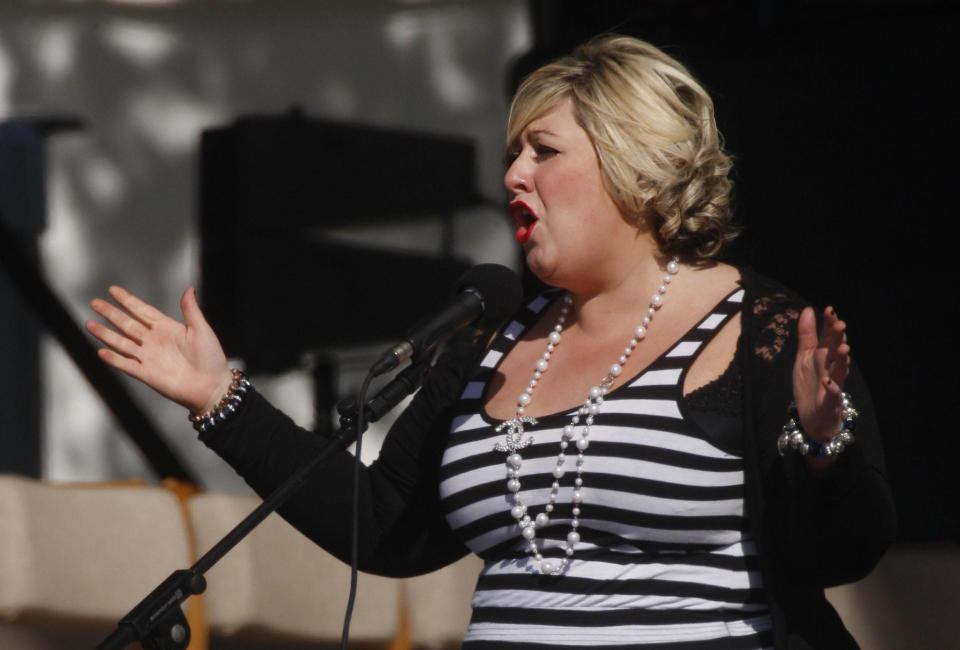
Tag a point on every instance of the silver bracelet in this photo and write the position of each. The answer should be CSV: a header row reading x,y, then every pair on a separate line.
x,y
227,405
795,438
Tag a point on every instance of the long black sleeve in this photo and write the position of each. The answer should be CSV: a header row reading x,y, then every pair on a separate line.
x,y
836,525
402,531
812,530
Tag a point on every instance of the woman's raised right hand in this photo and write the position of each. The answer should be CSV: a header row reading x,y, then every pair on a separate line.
x,y
184,362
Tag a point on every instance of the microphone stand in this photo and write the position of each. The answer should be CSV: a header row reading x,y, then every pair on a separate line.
x,y
157,621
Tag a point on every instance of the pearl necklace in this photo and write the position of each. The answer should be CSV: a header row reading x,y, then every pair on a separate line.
x,y
514,442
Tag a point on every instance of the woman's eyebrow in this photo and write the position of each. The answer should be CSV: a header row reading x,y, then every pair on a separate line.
x,y
542,131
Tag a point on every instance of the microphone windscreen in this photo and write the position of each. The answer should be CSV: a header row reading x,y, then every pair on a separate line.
x,y
498,286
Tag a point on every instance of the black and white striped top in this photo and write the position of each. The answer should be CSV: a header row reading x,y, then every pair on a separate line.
x,y
665,557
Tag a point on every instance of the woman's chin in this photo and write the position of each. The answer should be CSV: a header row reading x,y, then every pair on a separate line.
x,y
540,264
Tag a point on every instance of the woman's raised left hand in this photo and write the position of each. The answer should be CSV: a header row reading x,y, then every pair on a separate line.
x,y
184,362
820,369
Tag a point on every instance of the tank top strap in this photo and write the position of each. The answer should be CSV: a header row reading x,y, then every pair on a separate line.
x,y
682,354
704,331
505,339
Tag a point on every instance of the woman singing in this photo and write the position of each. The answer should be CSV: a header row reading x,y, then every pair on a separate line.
x,y
659,452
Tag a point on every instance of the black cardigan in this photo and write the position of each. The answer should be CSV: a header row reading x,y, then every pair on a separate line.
x,y
811,532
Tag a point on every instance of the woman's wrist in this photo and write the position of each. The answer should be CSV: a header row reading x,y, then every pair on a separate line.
x,y
793,437
224,407
220,388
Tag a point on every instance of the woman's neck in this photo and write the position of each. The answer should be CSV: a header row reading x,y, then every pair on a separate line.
x,y
623,296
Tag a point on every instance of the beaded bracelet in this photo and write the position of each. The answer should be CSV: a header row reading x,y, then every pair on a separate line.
x,y
227,405
794,437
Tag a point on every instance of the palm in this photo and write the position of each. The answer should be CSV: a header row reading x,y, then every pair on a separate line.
x,y
182,361
821,367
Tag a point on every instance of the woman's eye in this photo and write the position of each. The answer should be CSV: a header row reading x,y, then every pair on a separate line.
x,y
540,152
544,151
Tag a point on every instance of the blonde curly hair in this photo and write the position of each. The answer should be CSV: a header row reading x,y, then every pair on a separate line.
x,y
653,128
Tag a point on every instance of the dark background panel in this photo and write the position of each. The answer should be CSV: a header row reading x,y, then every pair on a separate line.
x,y
840,117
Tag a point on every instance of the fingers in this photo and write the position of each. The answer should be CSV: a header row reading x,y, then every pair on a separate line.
x,y
833,335
834,329
145,313
116,342
191,310
820,370
807,339
130,366
834,340
123,322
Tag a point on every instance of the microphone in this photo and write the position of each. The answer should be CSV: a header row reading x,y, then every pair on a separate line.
x,y
487,294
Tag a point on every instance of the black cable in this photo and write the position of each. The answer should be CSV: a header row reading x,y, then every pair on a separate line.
x,y
355,521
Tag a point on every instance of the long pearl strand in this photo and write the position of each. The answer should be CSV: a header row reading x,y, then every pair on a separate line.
x,y
591,407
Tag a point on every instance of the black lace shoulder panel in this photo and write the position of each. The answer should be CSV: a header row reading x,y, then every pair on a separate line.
x,y
774,320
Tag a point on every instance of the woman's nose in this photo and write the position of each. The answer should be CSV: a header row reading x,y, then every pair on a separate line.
x,y
517,177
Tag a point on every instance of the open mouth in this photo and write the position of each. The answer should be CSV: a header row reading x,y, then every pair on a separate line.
x,y
525,219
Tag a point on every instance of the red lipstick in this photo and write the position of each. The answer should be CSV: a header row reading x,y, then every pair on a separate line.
x,y
525,219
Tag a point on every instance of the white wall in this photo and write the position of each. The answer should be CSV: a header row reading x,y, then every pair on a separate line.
x,y
148,77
